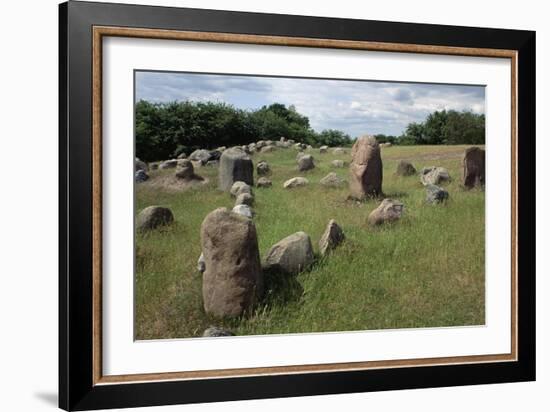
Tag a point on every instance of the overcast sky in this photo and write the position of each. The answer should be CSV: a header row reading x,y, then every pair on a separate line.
x,y
355,107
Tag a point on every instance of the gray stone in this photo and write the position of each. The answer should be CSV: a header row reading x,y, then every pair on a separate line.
x,y
239,188
332,180
141,176
185,169
141,165
388,211
214,332
365,168
299,155
169,164
235,165
153,217
267,149
200,155
243,210
473,167
323,149
201,265
305,162
405,169
332,237
262,168
291,255
232,282
182,155
295,182
264,182
434,175
244,199
338,163
436,194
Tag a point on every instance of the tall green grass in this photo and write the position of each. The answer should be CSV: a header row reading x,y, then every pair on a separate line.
x,y
426,270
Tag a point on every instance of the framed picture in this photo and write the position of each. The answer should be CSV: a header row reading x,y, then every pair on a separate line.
x,y
256,206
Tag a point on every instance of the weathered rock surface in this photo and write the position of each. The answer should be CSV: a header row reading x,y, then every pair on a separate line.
x,y
434,175
332,237
338,163
239,188
200,155
332,180
215,331
185,169
243,210
295,182
141,165
473,165
388,211
262,168
201,265
153,217
323,149
405,169
232,282
290,255
169,164
245,199
264,182
267,149
235,165
436,194
182,155
305,162
141,176
365,168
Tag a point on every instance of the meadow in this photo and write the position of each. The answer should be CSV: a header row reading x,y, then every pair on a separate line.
x,y
426,270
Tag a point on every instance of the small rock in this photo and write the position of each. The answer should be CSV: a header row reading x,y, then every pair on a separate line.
x,y
323,149
264,182
244,199
244,210
201,264
338,163
152,217
333,236
436,194
262,168
200,155
169,164
214,332
388,211
182,155
295,182
434,175
141,176
240,187
290,255
338,151
405,169
305,162
141,165
332,180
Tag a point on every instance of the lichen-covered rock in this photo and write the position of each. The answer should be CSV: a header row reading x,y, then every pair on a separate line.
x,y
153,217
243,210
185,169
436,194
232,282
365,168
235,165
200,155
244,199
388,211
405,169
434,175
305,162
291,255
263,182
332,237
262,168
240,187
295,182
473,167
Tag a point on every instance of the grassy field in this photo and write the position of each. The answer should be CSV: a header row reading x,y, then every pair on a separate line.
x,y
427,270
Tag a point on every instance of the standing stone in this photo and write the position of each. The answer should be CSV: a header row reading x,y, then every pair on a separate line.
x,y
365,168
141,176
264,182
290,255
333,236
232,282
434,175
152,217
332,180
405,169
305,162
262,168
436,194
388,211
235,165
473,164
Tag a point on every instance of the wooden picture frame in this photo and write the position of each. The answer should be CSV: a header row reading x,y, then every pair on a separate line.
x,y
82,385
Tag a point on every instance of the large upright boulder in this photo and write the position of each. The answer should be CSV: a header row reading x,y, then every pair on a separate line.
x,y
235,165
291,255
232,281
473,164
365,168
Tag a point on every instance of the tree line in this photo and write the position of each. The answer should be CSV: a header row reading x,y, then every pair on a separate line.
x,y
164,130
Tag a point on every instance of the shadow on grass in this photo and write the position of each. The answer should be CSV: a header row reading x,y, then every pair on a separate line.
x,y
281,288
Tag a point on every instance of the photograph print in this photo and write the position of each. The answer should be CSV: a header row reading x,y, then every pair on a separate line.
x,y
278,205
